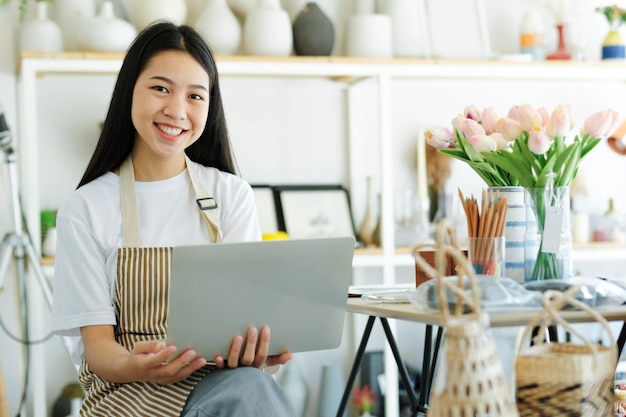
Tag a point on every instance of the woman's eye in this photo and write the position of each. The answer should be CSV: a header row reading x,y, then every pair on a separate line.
x,y
196,97
160,89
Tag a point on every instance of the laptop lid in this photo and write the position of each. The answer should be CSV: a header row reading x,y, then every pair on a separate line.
x,y
299,288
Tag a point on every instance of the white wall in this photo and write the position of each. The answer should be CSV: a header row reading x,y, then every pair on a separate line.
x,y
294,131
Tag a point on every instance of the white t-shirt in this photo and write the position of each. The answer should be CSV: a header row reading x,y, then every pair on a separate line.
x,y
89,232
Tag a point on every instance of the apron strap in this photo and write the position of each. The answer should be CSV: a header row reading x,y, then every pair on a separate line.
x,y
130,217
206,203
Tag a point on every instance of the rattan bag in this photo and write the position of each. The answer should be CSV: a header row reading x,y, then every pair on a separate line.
x,y
565,379
470,382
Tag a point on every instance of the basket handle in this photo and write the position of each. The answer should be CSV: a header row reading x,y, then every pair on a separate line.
x,y
553,302
443,252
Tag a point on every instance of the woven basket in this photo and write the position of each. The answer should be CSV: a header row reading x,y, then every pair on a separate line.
x,y
565,379
471,381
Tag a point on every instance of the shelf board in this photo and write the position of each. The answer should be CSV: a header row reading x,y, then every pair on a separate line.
x,y
350,68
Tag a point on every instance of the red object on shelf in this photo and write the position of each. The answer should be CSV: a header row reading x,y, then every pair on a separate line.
x,y
561,51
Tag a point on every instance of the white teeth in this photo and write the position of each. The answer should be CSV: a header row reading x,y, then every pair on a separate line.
x,y
170,130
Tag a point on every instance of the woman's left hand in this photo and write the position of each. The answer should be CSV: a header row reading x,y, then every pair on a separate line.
x,y
252,351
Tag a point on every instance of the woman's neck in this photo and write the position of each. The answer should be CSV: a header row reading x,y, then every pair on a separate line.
x,y
156,169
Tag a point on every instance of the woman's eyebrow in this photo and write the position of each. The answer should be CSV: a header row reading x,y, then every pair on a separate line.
x,y
167,80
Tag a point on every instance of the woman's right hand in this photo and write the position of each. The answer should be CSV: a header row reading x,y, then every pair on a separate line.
x,y
151,362
147,362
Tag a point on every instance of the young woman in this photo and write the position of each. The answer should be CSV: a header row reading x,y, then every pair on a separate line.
x,y
162,175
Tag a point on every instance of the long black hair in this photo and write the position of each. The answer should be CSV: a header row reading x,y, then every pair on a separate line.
x,y
116,140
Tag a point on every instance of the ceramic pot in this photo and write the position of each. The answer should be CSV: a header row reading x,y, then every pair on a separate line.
x,y
219,27
514,231
106,32
41,34
369,36
71,16
313,32
241,8
267,30
49,247
561,51
613,46
142,12
406,30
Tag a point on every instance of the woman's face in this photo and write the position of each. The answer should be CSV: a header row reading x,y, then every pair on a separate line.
x,y
170,107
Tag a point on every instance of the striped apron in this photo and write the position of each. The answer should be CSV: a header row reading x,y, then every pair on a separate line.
x,y
141,306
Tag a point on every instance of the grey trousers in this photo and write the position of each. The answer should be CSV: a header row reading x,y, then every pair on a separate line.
x,y
240,392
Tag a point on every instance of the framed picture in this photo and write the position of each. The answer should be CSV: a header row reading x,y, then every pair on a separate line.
x,y
314,211
266,208
457,29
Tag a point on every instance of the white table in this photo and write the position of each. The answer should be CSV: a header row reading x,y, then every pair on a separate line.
x,y
407,312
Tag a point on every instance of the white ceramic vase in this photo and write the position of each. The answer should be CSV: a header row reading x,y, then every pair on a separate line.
x,y
242,7
41,34
144,12
267,30
106,32
369,35
219,27
406,30
49,245
71,16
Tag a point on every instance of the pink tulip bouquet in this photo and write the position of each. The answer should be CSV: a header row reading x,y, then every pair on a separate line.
x,y
530,148
525,146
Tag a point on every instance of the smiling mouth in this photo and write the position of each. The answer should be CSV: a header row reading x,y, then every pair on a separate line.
x,y
171,131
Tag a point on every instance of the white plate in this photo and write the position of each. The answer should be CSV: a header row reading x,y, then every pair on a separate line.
x,y
389,296
357,290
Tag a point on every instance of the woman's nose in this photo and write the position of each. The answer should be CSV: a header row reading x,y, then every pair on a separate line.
x,y
175,108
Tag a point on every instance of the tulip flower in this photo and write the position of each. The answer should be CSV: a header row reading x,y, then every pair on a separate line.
x,y
489,120
545,116
528,117
560,122
601,124
539,142
439,137
472,112
501,142
483,143
511,129
471,127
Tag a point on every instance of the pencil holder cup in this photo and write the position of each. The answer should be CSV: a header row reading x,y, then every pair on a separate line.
x,y
486,255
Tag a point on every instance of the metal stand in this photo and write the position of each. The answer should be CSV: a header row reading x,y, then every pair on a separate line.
x,y
20,245
19,242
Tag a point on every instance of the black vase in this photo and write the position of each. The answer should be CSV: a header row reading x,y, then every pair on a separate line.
x,y
313,32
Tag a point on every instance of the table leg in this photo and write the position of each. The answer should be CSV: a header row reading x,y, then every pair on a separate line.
x,y
356,366
621,340
426,381
429,382
404,373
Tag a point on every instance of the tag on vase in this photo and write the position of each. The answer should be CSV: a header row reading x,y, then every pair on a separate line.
x,y
552,230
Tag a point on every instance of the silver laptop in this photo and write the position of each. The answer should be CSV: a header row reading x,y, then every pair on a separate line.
x,y
299,288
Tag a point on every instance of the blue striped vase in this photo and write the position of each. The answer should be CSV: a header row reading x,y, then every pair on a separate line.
x,y
514,231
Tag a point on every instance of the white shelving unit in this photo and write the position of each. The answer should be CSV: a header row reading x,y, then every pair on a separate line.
x,y
347,70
